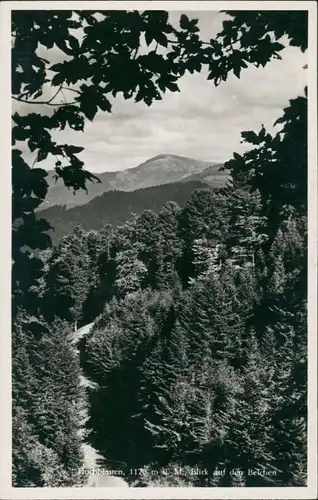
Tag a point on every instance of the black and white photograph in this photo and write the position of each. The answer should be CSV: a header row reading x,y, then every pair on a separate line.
x,y
162,165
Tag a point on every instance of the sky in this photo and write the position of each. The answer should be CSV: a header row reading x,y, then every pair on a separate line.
x,y
200,121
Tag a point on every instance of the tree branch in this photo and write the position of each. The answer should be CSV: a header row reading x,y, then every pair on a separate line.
x,y
71,90
35,160
177,42
48,103
134,52
54,95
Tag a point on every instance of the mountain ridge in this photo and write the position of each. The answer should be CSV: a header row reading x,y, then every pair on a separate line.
x,y
115,207
159,170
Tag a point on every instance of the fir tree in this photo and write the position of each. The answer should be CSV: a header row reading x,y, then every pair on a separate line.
x,y
147,233
46,385
33,464
67,279
249,430
130,272
168,246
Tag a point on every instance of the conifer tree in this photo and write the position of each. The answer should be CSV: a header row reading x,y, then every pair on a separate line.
x,y
102,272
248,425
168,246
68,278
48,404
223,384
33,464
289,405
167,416
215,324
247,224
207,258
203,216
131,272
147,234
291,451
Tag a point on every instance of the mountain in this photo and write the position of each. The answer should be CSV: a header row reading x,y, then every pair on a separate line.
x,y
159,170
115,207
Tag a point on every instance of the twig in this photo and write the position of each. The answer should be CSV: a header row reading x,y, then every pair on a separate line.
x,y
63,96
71,90
35,160
55,95
43,102
177,42
136,52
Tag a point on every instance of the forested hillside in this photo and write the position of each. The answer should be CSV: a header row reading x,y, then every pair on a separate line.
x,y
114,207
198,352
199,349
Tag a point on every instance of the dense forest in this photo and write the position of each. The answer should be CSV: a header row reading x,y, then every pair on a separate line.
x,y
198,352
199,348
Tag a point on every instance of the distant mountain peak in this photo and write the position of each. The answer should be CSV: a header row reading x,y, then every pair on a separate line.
x,y
162,156
161,169
166,156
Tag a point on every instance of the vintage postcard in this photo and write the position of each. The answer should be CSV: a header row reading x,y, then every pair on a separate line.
x,y
159,266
